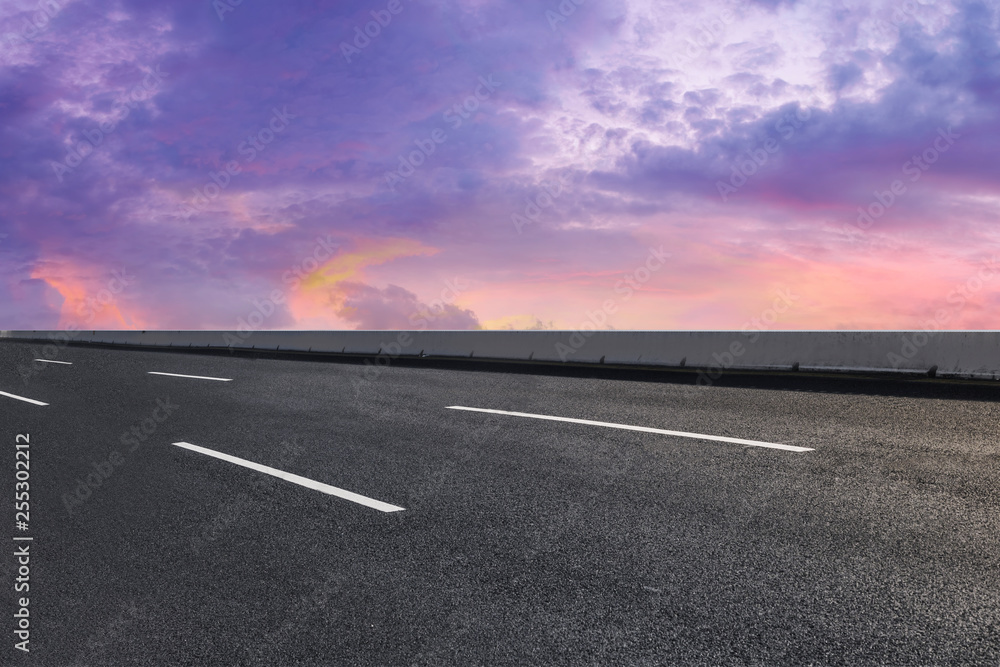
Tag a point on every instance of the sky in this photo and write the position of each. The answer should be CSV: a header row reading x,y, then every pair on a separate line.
x,y
545,164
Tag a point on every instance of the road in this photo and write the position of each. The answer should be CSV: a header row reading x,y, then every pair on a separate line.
x,y
516,540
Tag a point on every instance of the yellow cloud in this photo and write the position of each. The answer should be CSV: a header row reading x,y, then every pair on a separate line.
x,y
321,294
367,252
517,323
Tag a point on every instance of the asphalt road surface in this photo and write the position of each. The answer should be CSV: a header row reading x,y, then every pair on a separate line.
x,y
873,537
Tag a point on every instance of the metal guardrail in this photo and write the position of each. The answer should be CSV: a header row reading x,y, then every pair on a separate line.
x,y
963,354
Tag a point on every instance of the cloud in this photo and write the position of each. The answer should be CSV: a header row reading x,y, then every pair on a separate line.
x,y
519,323
397,308
642,106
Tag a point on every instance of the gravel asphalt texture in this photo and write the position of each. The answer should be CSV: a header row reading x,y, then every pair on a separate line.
x,y
522,542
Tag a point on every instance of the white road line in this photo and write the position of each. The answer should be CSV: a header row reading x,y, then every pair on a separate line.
x,y
193,377
51,361
287,476
645,429
22,398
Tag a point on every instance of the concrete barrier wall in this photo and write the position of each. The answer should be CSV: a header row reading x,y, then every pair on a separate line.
x,y
974,354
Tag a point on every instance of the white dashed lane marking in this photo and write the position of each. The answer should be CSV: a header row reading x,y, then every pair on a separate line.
x,y
22,398
645,429
295,479
193,377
